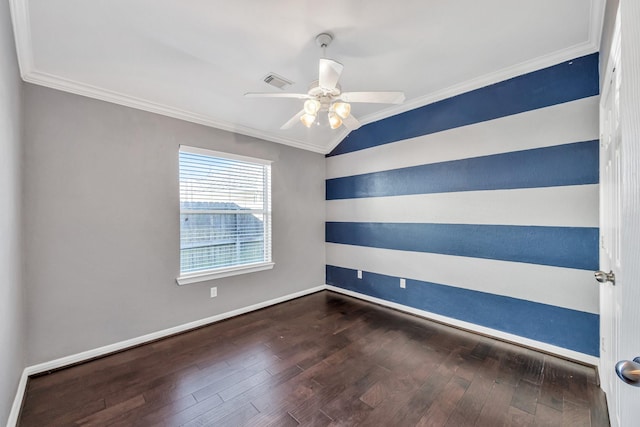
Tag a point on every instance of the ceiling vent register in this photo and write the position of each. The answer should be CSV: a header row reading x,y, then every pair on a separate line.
x,y
277,81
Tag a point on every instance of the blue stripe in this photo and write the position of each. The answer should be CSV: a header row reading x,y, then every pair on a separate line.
x,y
562,327
571,247
568,164
561,83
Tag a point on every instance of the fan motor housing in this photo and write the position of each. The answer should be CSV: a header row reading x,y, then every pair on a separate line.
x,y
317,91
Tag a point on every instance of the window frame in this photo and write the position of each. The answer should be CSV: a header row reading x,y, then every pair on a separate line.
x,y
220,272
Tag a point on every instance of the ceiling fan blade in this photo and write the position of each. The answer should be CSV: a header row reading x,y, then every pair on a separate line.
x,y
276,95
351,122
293,120
329,74
374,97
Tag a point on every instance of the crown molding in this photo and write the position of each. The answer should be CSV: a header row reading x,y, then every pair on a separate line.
x,y
486,80
22,34
333,143
29,73
71,86
596,22
479,82
24,49
585,48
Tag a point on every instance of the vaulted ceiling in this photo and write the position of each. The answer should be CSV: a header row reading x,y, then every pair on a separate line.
x,y
195,59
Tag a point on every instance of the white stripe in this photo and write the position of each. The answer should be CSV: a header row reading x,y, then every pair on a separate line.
x,y
558,286
568,206
542,346
559,124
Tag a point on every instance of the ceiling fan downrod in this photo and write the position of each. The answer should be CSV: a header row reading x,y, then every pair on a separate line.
x,y
324,40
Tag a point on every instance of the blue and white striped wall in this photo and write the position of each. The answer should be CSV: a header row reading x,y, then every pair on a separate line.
x,y
486,203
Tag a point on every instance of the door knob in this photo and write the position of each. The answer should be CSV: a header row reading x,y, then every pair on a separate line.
x,y
603,277
629,371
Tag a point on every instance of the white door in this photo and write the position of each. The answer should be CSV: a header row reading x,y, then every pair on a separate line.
x,y
610,236
620,214
629,291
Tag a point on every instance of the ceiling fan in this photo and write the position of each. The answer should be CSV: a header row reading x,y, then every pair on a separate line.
x,y
325,95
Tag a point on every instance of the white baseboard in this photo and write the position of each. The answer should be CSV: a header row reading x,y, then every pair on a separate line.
x,y
111,348
504,336
17,400
122,345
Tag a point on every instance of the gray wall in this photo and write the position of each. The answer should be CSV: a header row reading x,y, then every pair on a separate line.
x,y
11,292
102,224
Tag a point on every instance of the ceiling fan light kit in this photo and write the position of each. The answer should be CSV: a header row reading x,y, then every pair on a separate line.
x,y
341,108
334,120
312,106
308,119
325,95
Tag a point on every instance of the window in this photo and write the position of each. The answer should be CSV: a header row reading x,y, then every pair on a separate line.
x,y
225,215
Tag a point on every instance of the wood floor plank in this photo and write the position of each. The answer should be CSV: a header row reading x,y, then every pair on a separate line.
x,y
172,415
137,415
517,417
409,375
554,382
102,417
525,397
273,407
546,416
320,360
439,412
495,410
67,415
472,402
222,415
269,386
576,385
334,385
239,417
346,408
422,399
316,419
575,415
375,395
244,385
597,401
143,383
240,376
217,412
272,420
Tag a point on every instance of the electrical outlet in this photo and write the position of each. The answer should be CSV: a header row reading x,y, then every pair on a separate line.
x,y
214,292
359,274
403,283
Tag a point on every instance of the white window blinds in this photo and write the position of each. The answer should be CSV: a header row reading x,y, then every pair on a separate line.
x,y
225,211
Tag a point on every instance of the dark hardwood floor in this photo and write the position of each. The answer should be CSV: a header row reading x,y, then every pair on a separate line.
x,y
324,359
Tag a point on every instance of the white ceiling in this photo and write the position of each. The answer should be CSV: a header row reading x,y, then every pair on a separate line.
x,y
195,59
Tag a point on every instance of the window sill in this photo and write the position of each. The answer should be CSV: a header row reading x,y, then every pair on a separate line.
x,y
202,276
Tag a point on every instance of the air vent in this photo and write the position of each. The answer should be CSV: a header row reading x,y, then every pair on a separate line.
x,y
277,81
